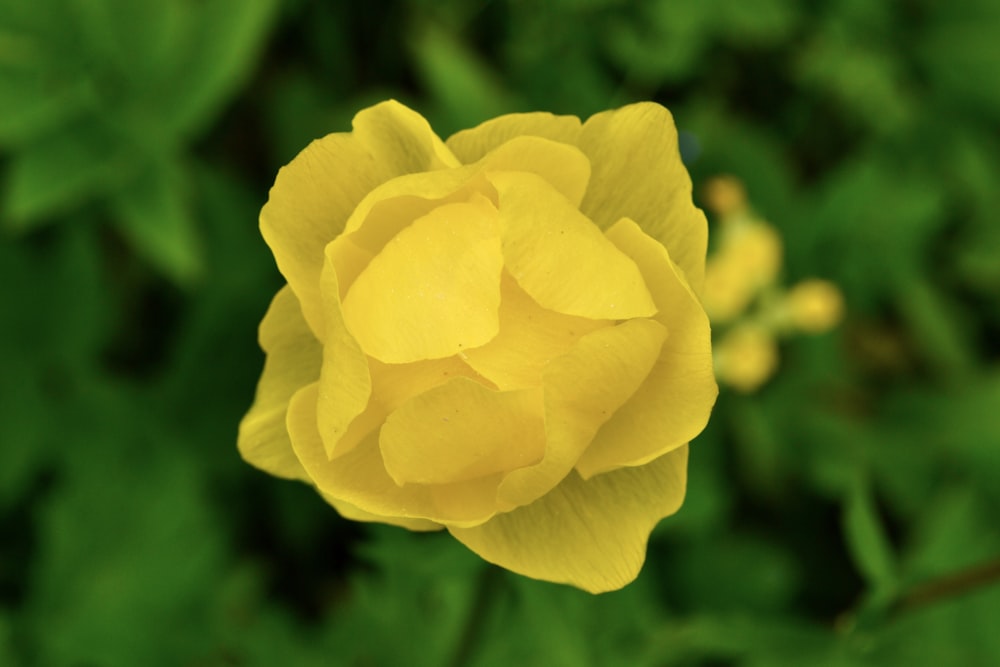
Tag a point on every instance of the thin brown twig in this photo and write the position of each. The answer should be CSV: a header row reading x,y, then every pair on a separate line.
x,y
950,586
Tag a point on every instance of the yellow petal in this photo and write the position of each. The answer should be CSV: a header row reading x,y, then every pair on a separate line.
x,y
637,173
530,337
591,534
293,361
359,477
394,205
472,144
583,389
462,430
434,290
345,384
393,129
674,403
392,386
560,258
349,511
314,194
562,166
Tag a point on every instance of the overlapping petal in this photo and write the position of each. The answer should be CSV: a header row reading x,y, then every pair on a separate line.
x,y
394,205
292,362
314,195
462,430
391,386
675,401
349,511
560,258
638,173
359,478
472,144
563,167
433,290
530,337
583,389
588,533
345,383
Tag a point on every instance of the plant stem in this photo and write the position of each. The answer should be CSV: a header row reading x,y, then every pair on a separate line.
x,y
950,586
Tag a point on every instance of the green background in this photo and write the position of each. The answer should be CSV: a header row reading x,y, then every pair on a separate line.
x,y
138,140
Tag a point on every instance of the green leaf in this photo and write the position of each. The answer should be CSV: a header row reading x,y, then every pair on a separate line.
x,y
31,110
936,324
61,173
125,538
956,531
958,52
154,214
868,543
662,42
956,631
734,573
467,91
866,82
748,639
757,23
225,41
424,588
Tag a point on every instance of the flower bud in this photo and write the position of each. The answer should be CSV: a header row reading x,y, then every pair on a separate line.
x,y
748,260
724,195
746,357
814,305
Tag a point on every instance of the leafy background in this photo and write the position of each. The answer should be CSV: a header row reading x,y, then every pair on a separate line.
x,y
137,144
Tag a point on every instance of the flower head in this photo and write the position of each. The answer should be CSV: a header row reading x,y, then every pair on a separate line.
x,y
497,335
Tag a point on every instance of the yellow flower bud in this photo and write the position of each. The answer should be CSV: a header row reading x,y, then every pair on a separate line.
x,y
814,305
746,357
748,261
724,195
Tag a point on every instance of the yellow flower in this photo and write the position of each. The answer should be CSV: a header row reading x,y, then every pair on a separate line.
x,y
746,357
814,305
497,335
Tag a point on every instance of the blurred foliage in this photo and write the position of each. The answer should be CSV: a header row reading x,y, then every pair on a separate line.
x,y
137,143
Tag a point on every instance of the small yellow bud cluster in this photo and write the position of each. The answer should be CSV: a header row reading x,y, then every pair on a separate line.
x,y
743,293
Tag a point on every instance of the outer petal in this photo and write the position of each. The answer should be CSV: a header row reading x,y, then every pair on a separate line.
x,y
583,388
293,361
315,193
591,534
674,403
434,290
637,173
472,144
349,511
530,337
358,477
345,384
462,430
560,258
